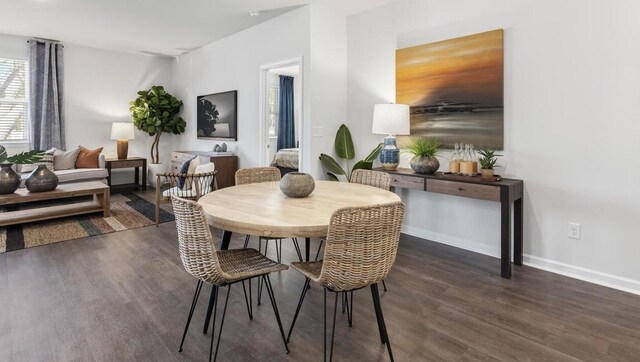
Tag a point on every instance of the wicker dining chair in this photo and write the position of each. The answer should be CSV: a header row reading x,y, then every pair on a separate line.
x,y
381,180
361,247
191,186
222,268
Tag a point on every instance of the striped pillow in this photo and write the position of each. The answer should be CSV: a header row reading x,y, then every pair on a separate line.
x,y
46,160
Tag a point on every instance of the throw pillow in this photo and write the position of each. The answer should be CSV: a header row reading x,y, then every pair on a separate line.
x,y
88,158
206,183
184,169
47,160
65,160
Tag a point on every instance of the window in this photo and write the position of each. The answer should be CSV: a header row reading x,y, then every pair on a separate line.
x,y
273,111
13,101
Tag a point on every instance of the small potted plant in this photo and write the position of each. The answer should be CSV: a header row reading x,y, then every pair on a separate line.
x,y
424,151
487,159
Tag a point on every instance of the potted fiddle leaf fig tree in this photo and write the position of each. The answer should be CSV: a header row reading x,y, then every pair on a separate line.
x,y
487,160
156,112
344,149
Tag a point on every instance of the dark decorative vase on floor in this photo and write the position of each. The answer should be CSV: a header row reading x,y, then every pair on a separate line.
x,y
9,179
41,180
297,184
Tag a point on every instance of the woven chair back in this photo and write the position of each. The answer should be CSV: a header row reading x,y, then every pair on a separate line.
x,y
377,179
195,243
190,186
361,247
257,174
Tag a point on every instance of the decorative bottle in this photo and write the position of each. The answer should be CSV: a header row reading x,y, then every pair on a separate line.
x,y
454,163
474,158
466,166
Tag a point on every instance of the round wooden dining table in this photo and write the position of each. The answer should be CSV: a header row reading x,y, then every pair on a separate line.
x,y
261,209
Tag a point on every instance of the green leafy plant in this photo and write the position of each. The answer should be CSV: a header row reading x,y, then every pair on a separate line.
x,y
488,158
344,149
421,146
156,112
23,158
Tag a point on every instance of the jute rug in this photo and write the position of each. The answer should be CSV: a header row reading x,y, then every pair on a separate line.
x,y
128,211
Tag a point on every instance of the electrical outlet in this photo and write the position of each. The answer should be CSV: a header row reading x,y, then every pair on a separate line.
x,y
317,131
574,231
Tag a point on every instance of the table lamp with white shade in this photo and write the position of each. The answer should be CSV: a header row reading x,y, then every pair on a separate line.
x,y
122,132
392,120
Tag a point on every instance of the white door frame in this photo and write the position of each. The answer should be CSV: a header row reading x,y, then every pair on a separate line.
x,y
264,111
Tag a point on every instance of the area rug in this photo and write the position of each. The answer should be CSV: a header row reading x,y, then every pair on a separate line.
x,y
128,211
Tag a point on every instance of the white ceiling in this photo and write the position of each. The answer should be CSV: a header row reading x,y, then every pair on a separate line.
x,y
167,27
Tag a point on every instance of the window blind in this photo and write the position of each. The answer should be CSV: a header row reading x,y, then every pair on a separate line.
x,y
13,100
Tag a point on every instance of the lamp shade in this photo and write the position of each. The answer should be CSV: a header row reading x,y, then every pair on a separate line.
x,y
122,131
391,119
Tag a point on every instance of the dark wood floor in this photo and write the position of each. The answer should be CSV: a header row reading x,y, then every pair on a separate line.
x,y
124,297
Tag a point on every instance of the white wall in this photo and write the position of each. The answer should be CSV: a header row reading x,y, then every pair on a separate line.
x,y
234,63
98,87
571,124
328,81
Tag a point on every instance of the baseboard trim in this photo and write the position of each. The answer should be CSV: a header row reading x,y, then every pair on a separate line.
x,y
572,271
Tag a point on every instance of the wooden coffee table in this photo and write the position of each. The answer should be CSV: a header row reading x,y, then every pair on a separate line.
x,y
100,202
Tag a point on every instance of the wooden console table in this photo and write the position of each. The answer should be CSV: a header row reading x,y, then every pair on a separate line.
x,y
506,192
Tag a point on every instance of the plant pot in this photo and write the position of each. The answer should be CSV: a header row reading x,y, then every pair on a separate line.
x,y
425,164
154,169
9,179
41,180
297,184
487,172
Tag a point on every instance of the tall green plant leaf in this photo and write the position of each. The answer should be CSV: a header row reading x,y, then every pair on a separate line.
x,y
3,154
374,154
365,165
344,144
332,177
330,164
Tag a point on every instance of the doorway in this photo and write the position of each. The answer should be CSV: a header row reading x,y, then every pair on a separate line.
x,y
281,115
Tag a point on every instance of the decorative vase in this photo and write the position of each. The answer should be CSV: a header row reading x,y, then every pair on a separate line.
x,y
390,154
487,172
9,179
425,164
297,184
41,180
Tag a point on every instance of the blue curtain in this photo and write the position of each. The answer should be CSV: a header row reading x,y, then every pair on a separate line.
x,y
286,126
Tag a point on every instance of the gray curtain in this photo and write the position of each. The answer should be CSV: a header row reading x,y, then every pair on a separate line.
x,y
46,95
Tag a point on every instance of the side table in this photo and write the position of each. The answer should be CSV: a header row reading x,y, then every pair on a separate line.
x,y
130,162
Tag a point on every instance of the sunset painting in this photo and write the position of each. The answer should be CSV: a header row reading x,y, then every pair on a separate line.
x,y
455,89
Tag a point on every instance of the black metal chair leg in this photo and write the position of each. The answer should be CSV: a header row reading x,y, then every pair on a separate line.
x,y
209,309
349,309
196,295
295,316
324,334
384,286
297,247
272,297
260,283
248,301
215,311
224,313
319,248
381,325
246,241
333,331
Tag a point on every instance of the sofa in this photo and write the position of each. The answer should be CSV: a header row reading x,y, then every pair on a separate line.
x,y
78,174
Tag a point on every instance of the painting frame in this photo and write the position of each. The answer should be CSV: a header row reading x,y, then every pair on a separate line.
x,y
455,89
217,116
